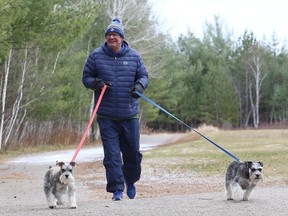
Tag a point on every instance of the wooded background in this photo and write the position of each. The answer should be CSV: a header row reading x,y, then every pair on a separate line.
x,y
216,80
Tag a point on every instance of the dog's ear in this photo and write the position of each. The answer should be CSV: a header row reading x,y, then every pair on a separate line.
x,y
60,164
248,164
73,163
261,163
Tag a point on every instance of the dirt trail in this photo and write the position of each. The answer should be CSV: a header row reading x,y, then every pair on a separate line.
x,y
159,193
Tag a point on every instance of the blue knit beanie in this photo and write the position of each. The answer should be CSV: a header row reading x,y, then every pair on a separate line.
x,y
115,26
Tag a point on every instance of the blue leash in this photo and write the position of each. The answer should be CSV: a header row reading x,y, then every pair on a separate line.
x,y
218,146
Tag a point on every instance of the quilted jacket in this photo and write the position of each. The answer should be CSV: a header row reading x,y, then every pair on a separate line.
x,y
122,70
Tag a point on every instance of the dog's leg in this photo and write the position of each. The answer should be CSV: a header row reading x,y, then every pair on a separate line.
x,y
72,196
248,193
229,193
50,198
48,191
58,191
58,195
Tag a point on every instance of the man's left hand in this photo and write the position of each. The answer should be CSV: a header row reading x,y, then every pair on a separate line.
x,y
136,87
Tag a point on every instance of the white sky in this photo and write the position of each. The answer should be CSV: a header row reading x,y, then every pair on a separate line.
x,y
262,17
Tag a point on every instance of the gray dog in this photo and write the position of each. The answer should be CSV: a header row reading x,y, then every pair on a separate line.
x,y
59,180
246,174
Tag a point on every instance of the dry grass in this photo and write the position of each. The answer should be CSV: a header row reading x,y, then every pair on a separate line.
x,y
199,155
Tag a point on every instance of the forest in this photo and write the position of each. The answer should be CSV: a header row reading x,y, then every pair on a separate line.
x,y
224,80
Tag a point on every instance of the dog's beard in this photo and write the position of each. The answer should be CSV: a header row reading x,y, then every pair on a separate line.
x,y
255,179
65,180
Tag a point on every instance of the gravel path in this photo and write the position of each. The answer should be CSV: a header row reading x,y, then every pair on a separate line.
x,y
21,192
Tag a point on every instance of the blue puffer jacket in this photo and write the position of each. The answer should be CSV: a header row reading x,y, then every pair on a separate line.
x,y
122,70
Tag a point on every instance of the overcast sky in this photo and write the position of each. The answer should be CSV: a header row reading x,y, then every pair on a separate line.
x,y
262,17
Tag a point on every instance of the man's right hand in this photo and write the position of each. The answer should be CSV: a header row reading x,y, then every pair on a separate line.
x,y
99,84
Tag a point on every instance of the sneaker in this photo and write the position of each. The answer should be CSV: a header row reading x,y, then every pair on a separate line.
x,y
131,191
118,195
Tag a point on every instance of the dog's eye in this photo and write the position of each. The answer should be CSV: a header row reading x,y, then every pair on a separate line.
x,y
63,170
260,170
253,169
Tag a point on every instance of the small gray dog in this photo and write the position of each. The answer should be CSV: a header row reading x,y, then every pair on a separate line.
x,y
246,174
59,180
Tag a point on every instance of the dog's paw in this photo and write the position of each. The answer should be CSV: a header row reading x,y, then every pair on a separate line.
x,y
52,206
74,207
59,202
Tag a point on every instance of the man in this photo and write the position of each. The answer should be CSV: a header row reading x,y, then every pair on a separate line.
x,y
122,69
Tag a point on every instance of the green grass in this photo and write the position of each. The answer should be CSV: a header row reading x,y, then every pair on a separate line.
x,y
268,146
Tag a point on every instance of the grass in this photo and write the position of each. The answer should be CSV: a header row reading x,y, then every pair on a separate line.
x,y
199,155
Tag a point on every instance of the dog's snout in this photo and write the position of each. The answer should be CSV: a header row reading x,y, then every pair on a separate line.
x,y
67,176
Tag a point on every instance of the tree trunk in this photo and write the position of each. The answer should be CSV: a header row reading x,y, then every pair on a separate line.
x,y
258,76
4,94
18,100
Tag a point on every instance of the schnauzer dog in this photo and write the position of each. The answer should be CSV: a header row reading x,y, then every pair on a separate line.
x,y
59,180
245,174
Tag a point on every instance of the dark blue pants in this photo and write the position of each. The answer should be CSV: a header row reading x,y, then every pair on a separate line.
x,y
122,156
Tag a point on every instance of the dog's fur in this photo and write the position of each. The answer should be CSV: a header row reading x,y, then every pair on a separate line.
x,y
246,174
59,180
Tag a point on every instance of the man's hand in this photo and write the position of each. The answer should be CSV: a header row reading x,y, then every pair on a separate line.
x,y
136,87
99,84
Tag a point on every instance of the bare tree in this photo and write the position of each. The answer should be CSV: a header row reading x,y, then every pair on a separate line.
x,y
18,100
3,95
256,64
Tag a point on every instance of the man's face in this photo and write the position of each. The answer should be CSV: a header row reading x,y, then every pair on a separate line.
x,y
114,41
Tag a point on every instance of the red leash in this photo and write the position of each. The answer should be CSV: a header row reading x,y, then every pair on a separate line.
x,y
90,123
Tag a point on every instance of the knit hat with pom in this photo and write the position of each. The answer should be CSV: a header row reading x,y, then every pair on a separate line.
x,y
115,26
